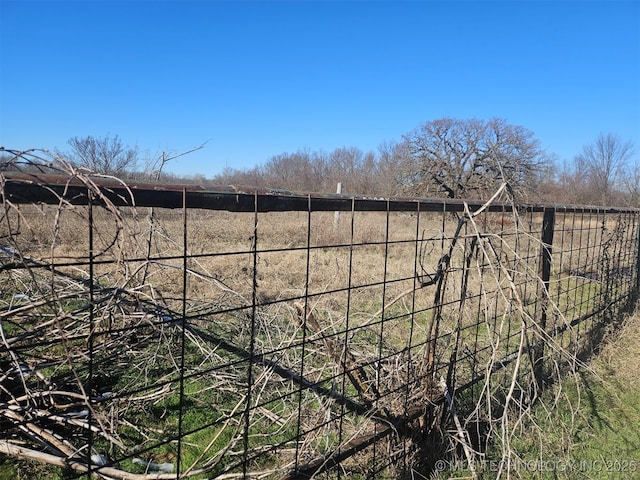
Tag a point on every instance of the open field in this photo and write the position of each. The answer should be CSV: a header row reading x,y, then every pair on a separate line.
x,y
275,344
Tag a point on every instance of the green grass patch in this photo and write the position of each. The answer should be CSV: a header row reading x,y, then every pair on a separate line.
x,y
10,469
587,427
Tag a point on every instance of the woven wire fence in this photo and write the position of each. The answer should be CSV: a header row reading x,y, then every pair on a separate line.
x,y
157,331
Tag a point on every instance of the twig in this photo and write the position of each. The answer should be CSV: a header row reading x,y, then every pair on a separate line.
x,y
463,436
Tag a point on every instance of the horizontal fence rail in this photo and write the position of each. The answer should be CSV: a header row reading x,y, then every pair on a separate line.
x,y
156,331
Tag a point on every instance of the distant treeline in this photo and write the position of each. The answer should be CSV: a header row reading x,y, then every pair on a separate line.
x,y
442,158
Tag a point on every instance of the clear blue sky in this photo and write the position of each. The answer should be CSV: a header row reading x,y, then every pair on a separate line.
x,y
256,79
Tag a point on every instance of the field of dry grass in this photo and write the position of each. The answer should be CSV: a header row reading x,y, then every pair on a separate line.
x,y
288,336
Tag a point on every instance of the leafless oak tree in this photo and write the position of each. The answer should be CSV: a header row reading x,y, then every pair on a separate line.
x,y
469,158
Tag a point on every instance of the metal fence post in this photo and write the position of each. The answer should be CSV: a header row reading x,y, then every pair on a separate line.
x,y
544,271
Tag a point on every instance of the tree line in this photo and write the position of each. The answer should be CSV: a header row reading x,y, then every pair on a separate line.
x,y
447,157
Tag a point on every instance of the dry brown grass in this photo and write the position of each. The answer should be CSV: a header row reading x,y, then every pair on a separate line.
x,y
359,279
620,357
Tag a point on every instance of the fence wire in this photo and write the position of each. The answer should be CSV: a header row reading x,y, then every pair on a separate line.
x,y
154,331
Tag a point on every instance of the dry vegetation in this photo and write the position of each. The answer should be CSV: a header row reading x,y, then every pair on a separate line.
x,y
288,339
587,425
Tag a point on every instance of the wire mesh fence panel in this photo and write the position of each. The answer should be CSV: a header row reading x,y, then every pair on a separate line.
x,y
176,332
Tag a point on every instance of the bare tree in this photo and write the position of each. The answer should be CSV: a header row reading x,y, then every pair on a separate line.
x,y
301,170
103,155
155,168
353,168
631,185
463,158
388,172
572,185
602,162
